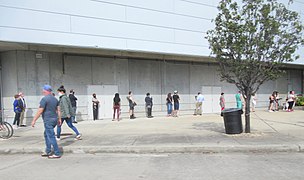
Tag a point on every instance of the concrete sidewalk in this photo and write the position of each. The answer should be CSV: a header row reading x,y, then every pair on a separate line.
x,y
271,132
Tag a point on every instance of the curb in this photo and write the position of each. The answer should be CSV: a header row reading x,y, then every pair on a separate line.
x,y
162,149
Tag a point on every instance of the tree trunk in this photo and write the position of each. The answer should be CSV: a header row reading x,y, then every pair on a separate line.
x,y
247,114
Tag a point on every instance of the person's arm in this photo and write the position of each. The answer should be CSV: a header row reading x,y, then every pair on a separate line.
x,y
59,115
36,117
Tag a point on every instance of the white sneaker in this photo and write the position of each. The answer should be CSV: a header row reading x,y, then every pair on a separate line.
x,y
15,127
58,139
270,111
78,137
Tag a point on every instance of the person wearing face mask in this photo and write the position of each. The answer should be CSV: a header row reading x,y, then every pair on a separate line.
x,y
66,113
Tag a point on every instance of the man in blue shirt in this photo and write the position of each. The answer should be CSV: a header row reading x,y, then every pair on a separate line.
x,y
50,111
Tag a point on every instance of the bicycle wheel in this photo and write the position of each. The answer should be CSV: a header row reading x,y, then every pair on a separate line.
x,y
4,131
11,130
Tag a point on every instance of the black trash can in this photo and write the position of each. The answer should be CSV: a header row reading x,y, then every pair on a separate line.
x,y
233,120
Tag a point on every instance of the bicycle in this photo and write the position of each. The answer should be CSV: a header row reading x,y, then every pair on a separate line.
x,y
6,130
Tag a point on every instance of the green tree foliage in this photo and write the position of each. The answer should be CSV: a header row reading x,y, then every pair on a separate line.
x,y
251,41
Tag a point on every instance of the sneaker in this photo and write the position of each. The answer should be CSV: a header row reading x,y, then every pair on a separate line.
x,y
78,137
58,139
46,154
270,111
54,157
75,122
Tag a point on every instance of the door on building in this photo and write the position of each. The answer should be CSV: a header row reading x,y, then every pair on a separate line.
x,y
211,94
105,94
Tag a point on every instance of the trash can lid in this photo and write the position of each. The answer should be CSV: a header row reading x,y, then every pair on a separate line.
x,y
231,110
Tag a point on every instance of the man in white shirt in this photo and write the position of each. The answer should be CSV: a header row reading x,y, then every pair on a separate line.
x,y
199,103
22,122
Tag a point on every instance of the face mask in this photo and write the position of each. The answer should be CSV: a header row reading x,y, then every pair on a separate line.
x,y
60,94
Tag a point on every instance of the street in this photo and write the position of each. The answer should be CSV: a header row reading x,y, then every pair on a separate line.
x,y
154,166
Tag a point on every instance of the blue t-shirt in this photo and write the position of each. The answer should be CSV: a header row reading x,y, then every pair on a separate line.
x,y
49,103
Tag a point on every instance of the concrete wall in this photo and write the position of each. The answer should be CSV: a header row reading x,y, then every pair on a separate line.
x,y
23,71
170,26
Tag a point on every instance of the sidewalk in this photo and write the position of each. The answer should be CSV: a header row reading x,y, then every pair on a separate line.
x,y
271,132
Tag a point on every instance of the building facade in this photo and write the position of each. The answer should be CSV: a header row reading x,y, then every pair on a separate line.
x,y
104,47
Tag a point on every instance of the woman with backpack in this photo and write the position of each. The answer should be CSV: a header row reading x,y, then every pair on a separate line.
x,y
116,106
67,112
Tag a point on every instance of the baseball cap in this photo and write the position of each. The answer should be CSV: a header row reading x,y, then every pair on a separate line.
x,y
47,88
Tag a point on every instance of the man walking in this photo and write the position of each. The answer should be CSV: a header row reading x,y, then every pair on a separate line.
x,y
199,103
73,100
50,111
22,122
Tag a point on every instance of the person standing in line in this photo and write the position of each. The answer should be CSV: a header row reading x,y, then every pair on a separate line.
x,y
277,99
95,102
66,112
17,109
149,104
271,102
253,101
73,100
291,99
199,103
222,101
50,111
169,104
22,122
116,106
239,101
176,100
132,104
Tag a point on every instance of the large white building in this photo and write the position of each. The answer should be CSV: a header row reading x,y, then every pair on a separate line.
x,y
108,46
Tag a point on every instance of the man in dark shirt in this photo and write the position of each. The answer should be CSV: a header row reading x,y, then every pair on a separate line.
x,y
176,103
149,104
50,111
73,100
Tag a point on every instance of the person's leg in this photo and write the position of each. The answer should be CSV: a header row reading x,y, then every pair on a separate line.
x,y
118,112
177,109
22,123
114,112
149,112
50,136
292,104
70,124
48,147
59,128
15,119
196,108
200,108
97,113
94,114
73,118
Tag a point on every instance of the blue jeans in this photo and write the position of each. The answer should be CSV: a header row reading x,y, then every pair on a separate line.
x,y
69,123
49,136
169,108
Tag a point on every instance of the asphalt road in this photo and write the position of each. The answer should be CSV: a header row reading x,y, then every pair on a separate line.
x,y
153,166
